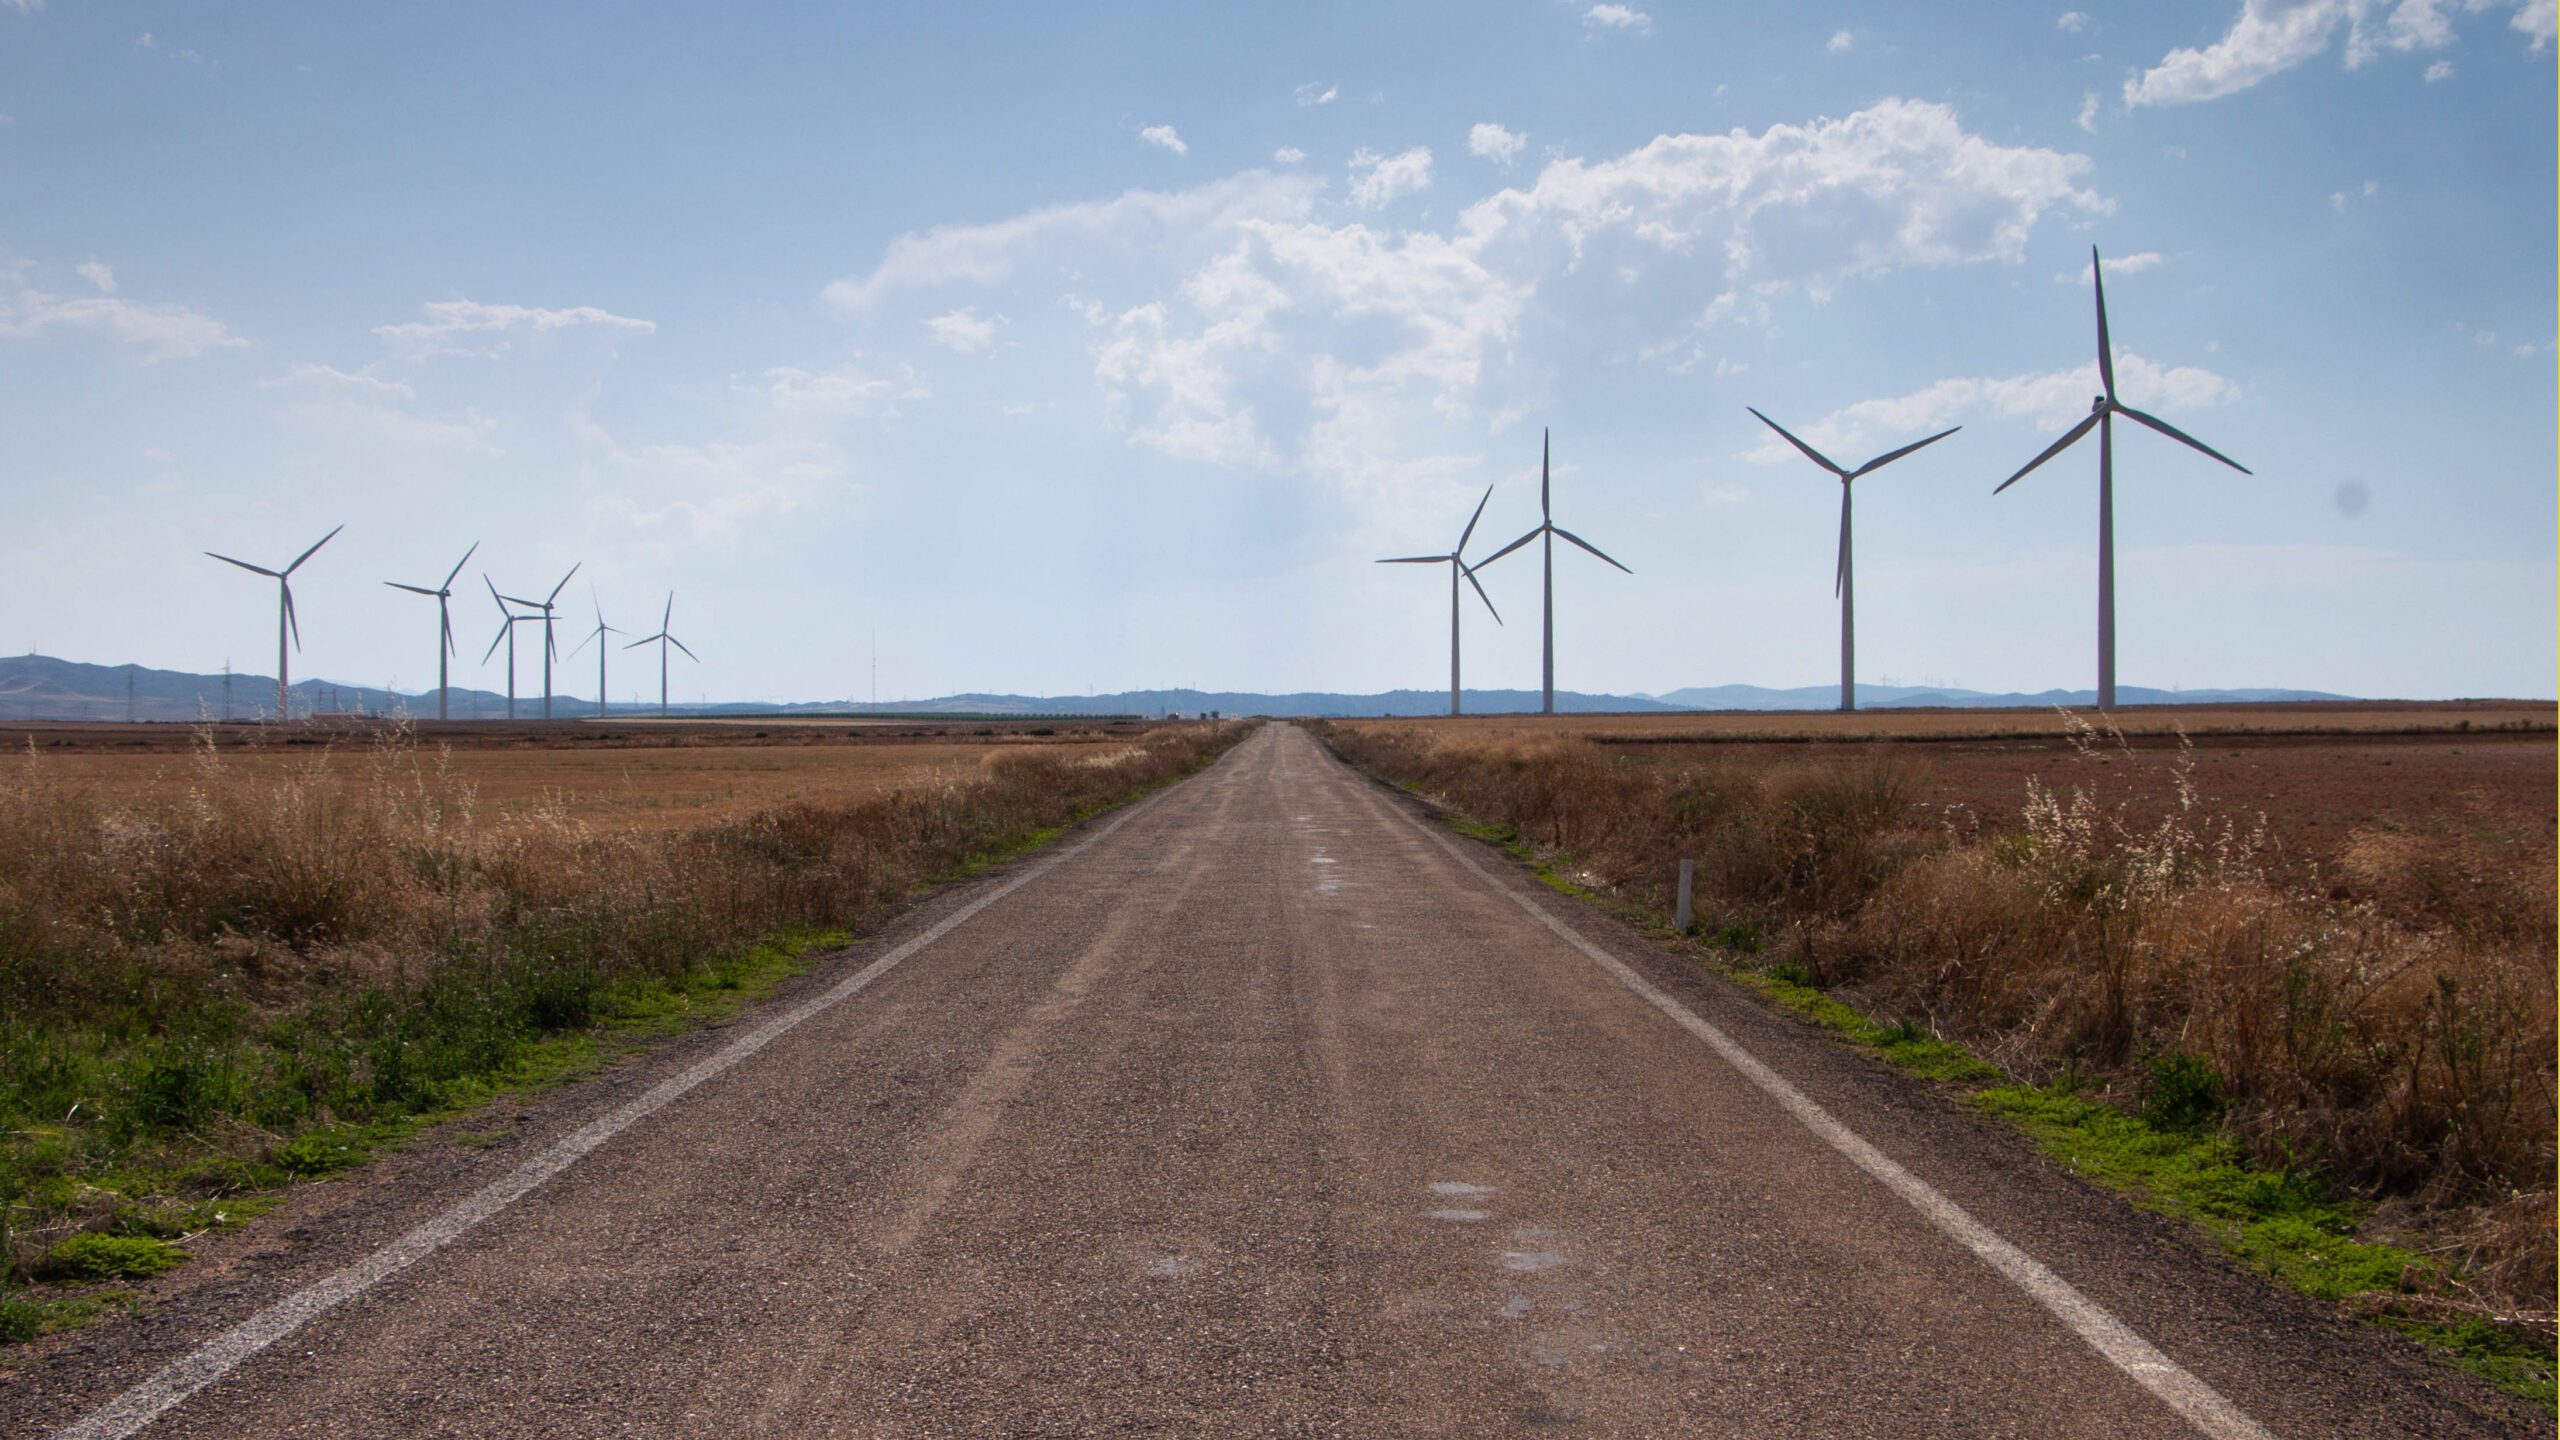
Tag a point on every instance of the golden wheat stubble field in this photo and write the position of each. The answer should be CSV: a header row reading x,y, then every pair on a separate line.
x,y
617,776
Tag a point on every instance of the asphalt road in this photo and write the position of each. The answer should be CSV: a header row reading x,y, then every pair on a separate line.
x,y
1264,1108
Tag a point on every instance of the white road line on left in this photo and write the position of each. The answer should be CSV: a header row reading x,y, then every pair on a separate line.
x,y
129,1412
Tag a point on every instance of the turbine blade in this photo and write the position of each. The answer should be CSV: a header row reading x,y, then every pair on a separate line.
x,y
520,600
1487,599
505,629
292,621
646,640
1587,545
1546,451
412,589
458,564
1890,456
1816,456
563,585
1415,560
245,565
663,626
444,630
315,549
2106,355
582,645
2174,433
1471,523
495,596
688,654
1507,549
2056,448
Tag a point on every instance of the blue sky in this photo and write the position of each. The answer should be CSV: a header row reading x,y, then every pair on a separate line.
x,y
1105,346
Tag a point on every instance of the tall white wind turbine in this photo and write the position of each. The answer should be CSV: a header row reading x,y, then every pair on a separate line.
x,y
2102,412
550,646
507,637
288,625
664,638
1843,576
1457,567
444,625
596,638
1547,530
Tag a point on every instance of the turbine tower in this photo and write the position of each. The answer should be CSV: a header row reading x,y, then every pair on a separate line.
x,y
1549,530
1843,576
444,624
2102,412
596,637
506,634
288,625
550,647
1457,567
664,638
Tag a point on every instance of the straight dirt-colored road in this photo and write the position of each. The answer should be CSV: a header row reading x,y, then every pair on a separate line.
x,y
1263,1108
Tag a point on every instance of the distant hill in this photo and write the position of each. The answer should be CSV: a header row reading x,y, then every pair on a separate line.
x,y
39,687
1878,697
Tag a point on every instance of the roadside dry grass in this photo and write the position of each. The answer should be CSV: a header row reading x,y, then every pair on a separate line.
x,y
2377,1025
211,984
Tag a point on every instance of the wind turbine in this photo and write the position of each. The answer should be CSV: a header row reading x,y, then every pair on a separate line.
x,y
1548,529
2102,412
444,623
1843,578
664,638
507,634
288,625
550,647
597,635
1457,567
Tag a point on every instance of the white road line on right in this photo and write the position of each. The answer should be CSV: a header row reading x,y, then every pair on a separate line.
x,y
2201,1404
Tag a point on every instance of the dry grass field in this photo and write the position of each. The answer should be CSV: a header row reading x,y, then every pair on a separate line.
x,y
2325,932
645,775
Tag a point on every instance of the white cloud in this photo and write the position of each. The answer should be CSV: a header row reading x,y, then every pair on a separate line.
x,y
1288,155
962,331
163,332
2071,22
1389,177
841,392
1373,355
1163,137
1495,143
449,321
2272,36
1313,93
1616,17
1841,42
2441,70
989,254
2089,112
2133,264
24,7
326,378
2341,200
2054,400
97,273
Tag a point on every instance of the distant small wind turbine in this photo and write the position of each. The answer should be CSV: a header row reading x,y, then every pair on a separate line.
x,y
2102,412
664,638
1548,529
506,636
444,624
288,625
550,646
1843,577
1457,567
596,637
